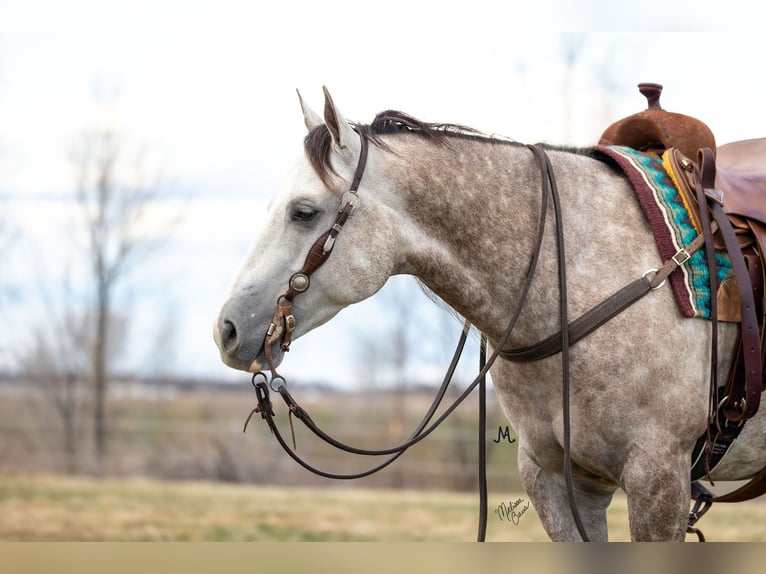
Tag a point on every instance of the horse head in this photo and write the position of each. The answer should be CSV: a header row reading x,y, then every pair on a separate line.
x,y
306,208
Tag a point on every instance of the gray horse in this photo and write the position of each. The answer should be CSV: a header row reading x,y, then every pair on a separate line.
x,y
460,211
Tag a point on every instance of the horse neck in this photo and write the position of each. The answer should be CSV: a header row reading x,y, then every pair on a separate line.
x,y
474,210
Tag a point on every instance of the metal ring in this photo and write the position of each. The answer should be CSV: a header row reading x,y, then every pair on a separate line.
x,y
276,386
259,374
735,405
647,272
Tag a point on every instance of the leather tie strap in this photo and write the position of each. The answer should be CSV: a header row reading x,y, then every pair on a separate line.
x,y
736,408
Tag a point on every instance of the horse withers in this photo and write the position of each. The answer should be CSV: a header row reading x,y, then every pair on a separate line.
x,y
460,211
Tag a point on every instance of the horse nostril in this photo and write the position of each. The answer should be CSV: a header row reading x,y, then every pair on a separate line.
x,y
229,338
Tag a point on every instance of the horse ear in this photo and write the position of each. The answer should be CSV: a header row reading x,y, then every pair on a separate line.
x,y
342,134
310,117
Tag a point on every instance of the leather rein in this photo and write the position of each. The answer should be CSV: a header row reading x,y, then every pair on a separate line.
x,y
284,323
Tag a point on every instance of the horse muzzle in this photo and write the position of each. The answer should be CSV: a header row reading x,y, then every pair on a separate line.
x,y
241,341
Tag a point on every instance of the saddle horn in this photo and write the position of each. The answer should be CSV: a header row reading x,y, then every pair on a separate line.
x,y
655,129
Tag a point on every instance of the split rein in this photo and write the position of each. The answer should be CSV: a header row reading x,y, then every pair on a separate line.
x,y
283,324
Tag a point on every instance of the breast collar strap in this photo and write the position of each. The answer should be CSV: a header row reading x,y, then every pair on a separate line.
x,y
283,323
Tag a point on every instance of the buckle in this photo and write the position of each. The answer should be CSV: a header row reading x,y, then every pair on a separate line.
x,y
349,198
681,257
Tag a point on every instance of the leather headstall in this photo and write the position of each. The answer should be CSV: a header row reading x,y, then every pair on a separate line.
x,y
283,323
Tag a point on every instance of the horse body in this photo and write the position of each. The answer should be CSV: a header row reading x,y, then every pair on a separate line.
x,y
460,212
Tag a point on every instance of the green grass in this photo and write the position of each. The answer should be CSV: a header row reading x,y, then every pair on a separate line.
x,y
47,508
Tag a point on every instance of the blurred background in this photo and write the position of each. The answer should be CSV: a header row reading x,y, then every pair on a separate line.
x,y
140,143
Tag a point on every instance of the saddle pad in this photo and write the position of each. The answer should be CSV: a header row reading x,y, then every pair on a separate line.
x,y
673,228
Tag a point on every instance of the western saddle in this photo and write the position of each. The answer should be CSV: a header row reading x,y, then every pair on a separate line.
x,y
726,189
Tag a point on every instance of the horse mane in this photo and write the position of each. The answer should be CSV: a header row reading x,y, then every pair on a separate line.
x,y
318,142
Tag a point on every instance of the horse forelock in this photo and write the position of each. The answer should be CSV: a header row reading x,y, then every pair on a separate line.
x,y
318,147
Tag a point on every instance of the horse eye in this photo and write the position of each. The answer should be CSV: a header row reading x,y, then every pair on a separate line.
x,y
303,213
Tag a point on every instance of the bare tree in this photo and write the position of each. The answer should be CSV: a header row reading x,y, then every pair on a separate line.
x,y
56,363
113,191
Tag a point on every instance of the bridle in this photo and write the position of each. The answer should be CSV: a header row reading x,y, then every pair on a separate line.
x,y
284,323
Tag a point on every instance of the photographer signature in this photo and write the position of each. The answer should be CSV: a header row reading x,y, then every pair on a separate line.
x,y
512,511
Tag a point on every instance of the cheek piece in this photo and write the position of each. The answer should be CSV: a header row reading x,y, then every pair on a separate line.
x,y
283,323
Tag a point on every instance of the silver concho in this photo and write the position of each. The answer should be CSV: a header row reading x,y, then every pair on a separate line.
x,y
299,282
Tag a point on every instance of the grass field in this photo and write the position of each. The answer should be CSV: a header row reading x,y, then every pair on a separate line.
x,y
48,508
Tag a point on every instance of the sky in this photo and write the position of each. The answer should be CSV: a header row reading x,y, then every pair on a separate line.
x,y
207,89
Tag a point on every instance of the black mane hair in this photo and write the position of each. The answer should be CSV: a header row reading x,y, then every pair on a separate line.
x,y
318,142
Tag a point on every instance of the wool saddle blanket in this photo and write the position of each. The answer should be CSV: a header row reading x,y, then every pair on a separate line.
x,y
666,210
